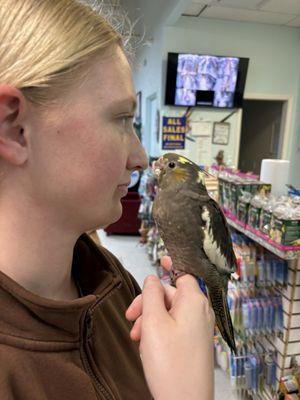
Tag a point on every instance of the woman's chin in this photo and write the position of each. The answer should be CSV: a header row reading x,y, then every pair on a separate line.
x,y
110,217
116,214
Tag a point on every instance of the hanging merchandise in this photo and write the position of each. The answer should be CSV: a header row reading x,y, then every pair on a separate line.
x,y
260,314
257,313
148,230
258,267
147,192
252,371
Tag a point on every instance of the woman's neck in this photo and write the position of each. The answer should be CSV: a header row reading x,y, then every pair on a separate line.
x,y
35,253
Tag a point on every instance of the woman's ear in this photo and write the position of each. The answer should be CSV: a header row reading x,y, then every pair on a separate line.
x,y
13,146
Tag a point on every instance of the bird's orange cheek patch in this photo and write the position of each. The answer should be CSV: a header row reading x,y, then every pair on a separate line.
x,y
179,175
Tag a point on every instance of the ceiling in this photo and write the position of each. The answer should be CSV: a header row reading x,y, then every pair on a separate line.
x,y
276,12
147,15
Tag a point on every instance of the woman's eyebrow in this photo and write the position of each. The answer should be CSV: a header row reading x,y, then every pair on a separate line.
x,y
128,103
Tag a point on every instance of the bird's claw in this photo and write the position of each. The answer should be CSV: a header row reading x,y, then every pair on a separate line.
x,y
175,274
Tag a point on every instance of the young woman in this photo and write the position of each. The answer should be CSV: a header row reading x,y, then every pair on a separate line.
x,y
67,150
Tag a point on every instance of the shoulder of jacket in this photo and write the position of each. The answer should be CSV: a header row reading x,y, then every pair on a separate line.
x,y
116,266
120,269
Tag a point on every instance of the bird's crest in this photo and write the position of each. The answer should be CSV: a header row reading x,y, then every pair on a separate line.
x,y
184,160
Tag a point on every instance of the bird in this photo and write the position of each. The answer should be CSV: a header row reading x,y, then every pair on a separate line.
x,y
195,232
220,158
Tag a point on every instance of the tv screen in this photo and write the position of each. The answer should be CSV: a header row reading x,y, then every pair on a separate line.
x,y
200,80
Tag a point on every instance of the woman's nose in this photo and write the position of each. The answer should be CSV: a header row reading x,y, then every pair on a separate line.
x,y
138,158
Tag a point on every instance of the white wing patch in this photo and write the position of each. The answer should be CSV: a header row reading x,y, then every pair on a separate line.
x,y
210,246
201,178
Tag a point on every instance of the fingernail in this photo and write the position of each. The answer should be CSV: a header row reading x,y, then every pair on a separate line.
x,y
150,279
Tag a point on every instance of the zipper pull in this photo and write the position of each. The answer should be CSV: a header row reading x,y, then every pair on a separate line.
x,y
88,325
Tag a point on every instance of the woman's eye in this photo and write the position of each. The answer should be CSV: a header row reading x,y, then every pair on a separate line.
x,y
127,122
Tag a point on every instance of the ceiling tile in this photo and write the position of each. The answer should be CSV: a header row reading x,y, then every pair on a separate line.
x,y
193,9
203,2
282,6
237,14
247,4
295,22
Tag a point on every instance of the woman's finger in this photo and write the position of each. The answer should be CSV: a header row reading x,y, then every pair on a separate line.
x,y
189,297
169,295
135,333
135,309
188,283
166,263
153,298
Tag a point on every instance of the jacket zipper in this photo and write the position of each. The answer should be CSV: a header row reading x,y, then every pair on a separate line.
x,y
87,334
94,378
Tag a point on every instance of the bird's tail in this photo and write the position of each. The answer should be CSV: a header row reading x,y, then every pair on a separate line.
x,y
219,303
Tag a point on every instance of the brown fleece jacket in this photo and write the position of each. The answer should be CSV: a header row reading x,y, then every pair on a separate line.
x,y
69,350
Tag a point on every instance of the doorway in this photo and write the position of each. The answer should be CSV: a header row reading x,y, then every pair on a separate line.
x,y
151,123
262,132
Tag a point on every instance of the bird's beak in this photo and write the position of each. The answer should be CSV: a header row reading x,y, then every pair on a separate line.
x,y
158,166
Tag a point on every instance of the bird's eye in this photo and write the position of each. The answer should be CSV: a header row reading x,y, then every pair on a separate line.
x,y
172,164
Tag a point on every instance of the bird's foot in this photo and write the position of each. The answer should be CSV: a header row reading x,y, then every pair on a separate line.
x,y
175,274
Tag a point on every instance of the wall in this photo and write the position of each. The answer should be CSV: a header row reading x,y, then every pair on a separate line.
x,y
274,66
150,17
147,75
295,146
213,116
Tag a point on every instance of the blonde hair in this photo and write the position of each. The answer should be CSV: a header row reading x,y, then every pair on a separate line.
x,y
45,43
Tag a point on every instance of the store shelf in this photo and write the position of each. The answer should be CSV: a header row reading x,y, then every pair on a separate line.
x,y
286,254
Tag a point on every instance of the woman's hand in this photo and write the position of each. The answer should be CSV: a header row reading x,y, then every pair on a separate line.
x,y
175,330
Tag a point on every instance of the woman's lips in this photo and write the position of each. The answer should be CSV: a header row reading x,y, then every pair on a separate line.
x,y
124,184
123,188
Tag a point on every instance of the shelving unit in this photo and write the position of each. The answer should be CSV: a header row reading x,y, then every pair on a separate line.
x,y
285,255
288,346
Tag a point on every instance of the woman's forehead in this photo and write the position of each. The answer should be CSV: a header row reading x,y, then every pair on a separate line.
x,y
111,78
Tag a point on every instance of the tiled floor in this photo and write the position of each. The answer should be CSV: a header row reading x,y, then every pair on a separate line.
x,y
134,258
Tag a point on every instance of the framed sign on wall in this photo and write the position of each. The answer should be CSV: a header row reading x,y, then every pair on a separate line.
x,y
221,133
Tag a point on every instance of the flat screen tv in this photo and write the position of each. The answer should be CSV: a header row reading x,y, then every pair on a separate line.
x,y
201,80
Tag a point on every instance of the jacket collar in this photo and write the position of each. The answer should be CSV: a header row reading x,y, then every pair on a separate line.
x,y
30,321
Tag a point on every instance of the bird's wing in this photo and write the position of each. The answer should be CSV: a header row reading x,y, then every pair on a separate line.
x,y
217,243
217,284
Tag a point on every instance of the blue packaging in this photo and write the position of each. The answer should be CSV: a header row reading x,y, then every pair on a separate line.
x,y
260,316
254,383
251,266
245,313
268,272
270,315
254,315
244,271
260,273
233,371
248,375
